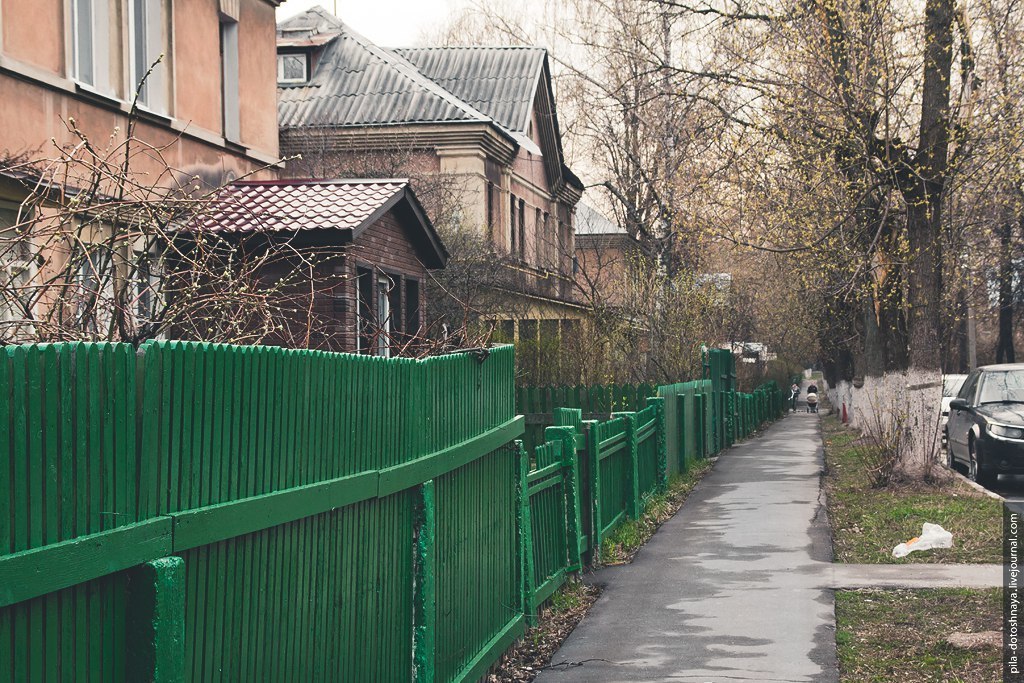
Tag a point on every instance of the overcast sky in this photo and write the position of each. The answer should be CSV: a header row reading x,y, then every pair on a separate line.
x,y
391,23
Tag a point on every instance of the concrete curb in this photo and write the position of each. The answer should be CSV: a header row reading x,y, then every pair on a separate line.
x,y
886,576
976,486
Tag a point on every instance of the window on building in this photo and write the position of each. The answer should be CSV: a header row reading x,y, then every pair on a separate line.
x,y
513,249
146,287
539,238
490,207
522,229
383,319
148,40
364,287
528,350
90,43
505,332
17,269
95,289
412,307
395,304
229,78
293,67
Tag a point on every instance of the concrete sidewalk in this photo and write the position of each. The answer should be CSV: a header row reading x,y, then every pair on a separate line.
x,y
734,587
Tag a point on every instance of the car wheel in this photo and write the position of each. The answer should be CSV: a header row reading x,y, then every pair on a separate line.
x,y
974,471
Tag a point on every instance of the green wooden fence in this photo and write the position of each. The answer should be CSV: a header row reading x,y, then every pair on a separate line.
x,y
202,512
337,517
537,403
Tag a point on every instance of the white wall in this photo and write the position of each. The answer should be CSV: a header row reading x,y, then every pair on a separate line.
x,y
912,398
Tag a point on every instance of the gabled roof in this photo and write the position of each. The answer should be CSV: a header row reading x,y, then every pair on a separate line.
x,y
350,206
357,83
499,81
589,221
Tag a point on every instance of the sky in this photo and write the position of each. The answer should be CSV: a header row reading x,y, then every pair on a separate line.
x,y
390,23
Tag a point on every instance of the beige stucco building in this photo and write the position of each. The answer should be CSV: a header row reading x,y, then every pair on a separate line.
x,y
209,104
109,107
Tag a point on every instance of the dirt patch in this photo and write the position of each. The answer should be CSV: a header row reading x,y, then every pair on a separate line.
x,y
532,653
904,635
976,641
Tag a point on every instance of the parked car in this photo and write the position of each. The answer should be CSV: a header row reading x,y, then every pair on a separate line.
x,y
950,386
986,423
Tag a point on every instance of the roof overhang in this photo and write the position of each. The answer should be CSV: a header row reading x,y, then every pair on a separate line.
x,y
487,136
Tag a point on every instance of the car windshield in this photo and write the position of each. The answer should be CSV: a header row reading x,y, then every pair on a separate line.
x,y
952,383
1004,386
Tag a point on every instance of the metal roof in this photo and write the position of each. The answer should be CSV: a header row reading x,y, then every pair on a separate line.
x,y
591,222
499,81
356,83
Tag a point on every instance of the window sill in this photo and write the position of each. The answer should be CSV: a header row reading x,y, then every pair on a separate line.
x,y
90,92
152,115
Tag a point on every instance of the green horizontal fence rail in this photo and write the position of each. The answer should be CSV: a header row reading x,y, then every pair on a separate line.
x,y
187,511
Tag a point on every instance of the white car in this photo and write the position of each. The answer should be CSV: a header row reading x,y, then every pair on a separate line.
x,y
950,386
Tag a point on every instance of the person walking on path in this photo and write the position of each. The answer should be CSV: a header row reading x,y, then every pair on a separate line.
x,y
726,590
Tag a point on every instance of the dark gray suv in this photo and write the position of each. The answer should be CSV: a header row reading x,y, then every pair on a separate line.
x,y
985,431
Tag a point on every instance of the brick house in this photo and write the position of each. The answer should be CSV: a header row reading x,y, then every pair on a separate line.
x,y
607,259
367,246
484,117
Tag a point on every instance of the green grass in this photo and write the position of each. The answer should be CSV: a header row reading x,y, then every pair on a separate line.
x,y
868,522
630,535
900,635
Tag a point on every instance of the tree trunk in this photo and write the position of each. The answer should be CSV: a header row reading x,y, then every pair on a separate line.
x,y
924,213
923,292
1004,347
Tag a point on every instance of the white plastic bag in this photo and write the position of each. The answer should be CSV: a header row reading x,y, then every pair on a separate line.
x,y
932,536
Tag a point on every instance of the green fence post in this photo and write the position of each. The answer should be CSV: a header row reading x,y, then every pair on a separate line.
x,y
425,596
525,527
156,622
593,450
571,472
700,431
659,430
634,464
683,429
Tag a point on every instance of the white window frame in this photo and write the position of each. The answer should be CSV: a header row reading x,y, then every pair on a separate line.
x,y
280,67
146,281
98,26
229,79
13,265
99,314
383,310
148,47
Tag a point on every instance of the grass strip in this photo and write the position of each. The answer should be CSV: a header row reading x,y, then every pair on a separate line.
x,y
622,544
901,635
867,522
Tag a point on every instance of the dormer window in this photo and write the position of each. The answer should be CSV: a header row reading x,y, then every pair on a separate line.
x,y
293,67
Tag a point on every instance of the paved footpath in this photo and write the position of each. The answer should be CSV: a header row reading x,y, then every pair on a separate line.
x,y
734,587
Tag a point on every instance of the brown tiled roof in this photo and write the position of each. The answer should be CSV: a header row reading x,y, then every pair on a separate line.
x,y
258,206
347,206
